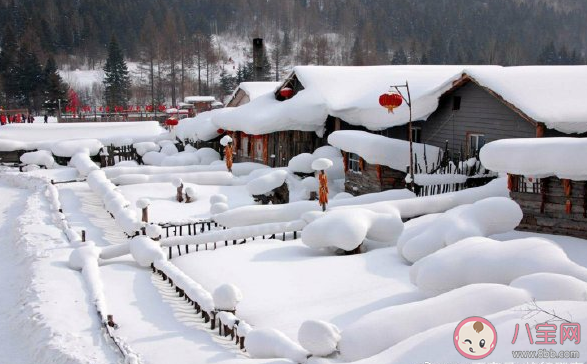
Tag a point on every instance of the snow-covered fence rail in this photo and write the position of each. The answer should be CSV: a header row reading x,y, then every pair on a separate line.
x,y
212,309
190,228
210,239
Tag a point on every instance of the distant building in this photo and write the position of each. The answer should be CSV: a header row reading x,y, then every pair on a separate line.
x,y
200,103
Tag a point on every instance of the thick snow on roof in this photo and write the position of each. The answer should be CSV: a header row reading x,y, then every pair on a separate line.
x,y
377,149
256,89
538,157
199,127
263,115
352,93
554,95
190,99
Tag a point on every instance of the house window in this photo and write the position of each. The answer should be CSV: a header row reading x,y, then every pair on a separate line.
x,y
416,134
476,142
456,103
354,164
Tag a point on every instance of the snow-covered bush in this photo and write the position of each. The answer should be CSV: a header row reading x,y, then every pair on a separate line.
x,y
218,208
40,157
483,218
484,260
145,250
267,182
381,329
552,287
301,163
348,228
226,297
265,343
144,147
80,257
218,198
320,338
207,156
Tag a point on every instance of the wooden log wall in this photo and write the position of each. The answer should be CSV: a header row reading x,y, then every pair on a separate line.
x,y
550,210
370,181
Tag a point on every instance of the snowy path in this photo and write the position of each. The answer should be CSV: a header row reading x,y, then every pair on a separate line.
x,y
152,320
11,349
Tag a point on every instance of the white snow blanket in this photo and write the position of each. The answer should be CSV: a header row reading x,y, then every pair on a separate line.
x,y
44,136
490,216
227,297
538,157
320,338
199,127
143,147
384,328
302,163
40,158
484,260
256,89
68,148
83,164
200,178
238,169
253,215
377,149
552,287
267,182
145,250
270,343
347,229
552,95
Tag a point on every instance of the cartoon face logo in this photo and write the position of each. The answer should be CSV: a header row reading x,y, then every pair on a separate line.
x,y
475,338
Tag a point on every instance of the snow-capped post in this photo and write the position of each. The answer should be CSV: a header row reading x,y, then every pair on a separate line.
x,y
321,164
226,142
392,100
190,194
143,204
178,183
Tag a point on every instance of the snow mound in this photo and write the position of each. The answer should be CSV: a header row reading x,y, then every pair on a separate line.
x,y
83,255
301,163
83,164
180,159
348,228
320,338
483,218
311,184
266,343
40,157
321,164
226,297
153,231
169,149
145,250
218,198
207,156
68,148
364,338
143,203
225,140
342,196
267,183
552,287
218,208
484,260
143,147
191,192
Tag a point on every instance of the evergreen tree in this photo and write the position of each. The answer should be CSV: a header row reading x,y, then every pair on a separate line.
x,y
227,83
8,76
116,77
548,56
30,79
54,87
399,57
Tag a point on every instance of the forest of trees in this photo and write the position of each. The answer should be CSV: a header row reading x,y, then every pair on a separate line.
x,y
172,39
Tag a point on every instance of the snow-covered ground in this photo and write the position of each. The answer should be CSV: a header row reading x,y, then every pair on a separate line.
x,y
384,306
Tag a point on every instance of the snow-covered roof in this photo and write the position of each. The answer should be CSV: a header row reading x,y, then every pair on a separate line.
x,y
554,95
256,89
538,157
191,99
377,149
199,127
350,93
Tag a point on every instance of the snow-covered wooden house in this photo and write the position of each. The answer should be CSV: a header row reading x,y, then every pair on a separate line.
x,y
547,178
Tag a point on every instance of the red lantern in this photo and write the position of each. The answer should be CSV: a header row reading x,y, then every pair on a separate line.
x,y
286,92
390,101
162,108
220,131
171,122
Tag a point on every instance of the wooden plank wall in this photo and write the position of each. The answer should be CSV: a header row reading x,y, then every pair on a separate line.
x,y
368,181
554,219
